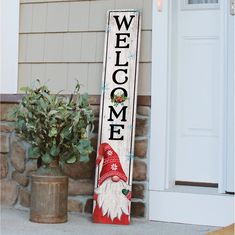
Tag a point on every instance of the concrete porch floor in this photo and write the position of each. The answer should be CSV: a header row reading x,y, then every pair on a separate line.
x,y
16,222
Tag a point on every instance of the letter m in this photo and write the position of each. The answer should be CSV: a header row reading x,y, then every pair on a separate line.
x,y
123,21
123,111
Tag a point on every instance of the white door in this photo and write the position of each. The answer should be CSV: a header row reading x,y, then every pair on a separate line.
x,y
189,119
198,99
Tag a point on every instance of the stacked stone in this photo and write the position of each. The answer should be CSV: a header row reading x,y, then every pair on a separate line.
x,y
140,181
16,168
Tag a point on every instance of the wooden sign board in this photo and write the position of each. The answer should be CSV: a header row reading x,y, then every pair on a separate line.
x,y
115,153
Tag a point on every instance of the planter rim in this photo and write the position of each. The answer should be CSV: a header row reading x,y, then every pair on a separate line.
x,y
49,176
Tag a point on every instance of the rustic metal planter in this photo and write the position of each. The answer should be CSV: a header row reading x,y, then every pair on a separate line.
x,y
49,196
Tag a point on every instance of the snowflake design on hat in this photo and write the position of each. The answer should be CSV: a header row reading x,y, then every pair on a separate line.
x,y
111,164
114,167
110,152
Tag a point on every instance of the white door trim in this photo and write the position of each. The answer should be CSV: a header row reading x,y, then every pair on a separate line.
x,y
231,105
179,207
159,96
223,63
9,30
160,173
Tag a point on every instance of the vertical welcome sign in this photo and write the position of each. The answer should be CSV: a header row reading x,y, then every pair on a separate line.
x,y
114,162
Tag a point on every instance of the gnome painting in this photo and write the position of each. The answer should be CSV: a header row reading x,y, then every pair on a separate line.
x,y
112,196
116,137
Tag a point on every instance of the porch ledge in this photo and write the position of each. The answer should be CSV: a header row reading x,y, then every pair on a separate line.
x,y
78,224
142,100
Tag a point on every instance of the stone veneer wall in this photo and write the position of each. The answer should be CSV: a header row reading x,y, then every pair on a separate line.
x,y
16,168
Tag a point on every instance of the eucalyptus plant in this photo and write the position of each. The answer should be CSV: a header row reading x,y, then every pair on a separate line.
x,y
55,126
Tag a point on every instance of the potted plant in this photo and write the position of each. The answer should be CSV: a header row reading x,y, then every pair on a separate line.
x,y
57,128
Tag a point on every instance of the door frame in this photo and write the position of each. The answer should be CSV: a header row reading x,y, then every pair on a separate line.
x,y
231,104
161,173
9,44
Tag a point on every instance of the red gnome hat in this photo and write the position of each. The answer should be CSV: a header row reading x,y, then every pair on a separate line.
x,y
111,165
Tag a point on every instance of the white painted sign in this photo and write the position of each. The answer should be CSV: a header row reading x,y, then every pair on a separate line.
x,y
117,118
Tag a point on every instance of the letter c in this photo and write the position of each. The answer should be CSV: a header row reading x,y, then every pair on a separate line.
x,y
115,78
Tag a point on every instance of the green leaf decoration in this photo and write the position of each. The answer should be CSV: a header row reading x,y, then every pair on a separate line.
x,y
84,147
84,158
33,152
73,159
46,95
65,132
84,100
52,112
54,125
77,87
24,89
43,104
55,151
47,159
52,132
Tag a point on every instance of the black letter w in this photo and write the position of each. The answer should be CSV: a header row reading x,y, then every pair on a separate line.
x,y
124,20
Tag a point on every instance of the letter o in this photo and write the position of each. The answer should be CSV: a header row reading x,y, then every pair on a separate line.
x,y
118,88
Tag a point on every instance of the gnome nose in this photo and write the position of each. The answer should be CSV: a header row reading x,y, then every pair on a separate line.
x,y
115,178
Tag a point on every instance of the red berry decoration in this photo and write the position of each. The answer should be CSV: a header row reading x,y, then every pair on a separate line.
x,y
119,99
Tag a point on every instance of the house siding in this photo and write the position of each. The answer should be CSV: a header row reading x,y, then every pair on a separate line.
x,y
63,41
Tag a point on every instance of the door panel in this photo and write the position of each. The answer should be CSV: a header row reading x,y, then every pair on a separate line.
x,y
198,93
199,87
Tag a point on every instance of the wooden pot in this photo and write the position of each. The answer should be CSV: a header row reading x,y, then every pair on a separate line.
x,y
49,196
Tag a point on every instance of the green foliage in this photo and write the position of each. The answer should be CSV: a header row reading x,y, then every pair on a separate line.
x,y
54,125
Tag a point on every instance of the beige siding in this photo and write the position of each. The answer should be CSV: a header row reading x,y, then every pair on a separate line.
x,y
39,18
26,16
79,16
61,41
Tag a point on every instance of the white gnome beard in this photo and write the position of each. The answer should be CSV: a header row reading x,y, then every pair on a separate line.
x,y
111,199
